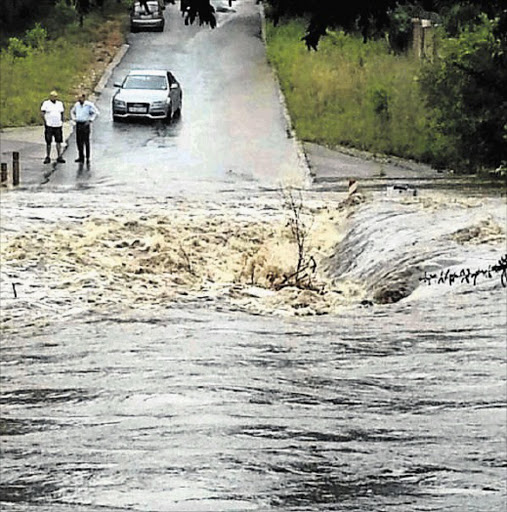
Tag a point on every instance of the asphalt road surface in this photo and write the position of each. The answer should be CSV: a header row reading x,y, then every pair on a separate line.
x,y
232,132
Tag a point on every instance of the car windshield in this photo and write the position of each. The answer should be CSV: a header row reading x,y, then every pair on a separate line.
x,y
153,6
145,82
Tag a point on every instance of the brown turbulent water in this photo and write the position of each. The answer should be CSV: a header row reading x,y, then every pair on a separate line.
x,y
148,364
176,384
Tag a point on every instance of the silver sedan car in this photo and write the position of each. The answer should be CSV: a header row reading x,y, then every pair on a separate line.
x,y
147,93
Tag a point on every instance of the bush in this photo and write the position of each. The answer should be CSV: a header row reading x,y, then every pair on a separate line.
x,y
17,48
380,102
36,38
466,90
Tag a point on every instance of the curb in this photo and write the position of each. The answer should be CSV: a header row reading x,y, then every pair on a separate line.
x,y
102,83
109,70
291,133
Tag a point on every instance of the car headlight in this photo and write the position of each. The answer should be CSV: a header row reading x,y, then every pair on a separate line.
x,y
119,103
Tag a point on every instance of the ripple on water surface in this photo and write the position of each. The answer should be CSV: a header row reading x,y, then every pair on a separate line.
x,y
181,407
209,411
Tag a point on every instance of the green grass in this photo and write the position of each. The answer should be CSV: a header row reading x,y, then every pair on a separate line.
x,y
351,93
27,81
62,64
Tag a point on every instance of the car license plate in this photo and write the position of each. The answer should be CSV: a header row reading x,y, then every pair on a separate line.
x,y
138,110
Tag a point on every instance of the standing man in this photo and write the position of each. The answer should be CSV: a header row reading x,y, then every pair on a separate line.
x,y
52,112
83,113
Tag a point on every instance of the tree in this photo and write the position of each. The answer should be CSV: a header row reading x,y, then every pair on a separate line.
x,y
368,16
466,86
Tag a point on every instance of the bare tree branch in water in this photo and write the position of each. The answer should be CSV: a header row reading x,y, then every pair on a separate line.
x,y
300,229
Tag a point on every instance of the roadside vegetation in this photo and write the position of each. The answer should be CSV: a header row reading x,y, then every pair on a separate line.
x,y
351,93
363,88
66,51
447,109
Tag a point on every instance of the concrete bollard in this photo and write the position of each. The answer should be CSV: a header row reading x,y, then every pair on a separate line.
x,y
15,168
3,173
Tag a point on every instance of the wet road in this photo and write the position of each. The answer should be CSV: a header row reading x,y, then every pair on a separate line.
x,y
232,129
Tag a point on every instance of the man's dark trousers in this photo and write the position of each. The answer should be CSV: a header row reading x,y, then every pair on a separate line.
x,y
83,140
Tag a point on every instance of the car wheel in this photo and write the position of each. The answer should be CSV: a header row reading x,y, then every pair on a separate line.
x,y
133,29
116,119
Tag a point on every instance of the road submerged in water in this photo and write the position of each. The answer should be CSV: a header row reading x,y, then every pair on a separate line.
x,y
144,367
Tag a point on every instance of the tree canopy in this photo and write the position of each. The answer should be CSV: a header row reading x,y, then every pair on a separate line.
x,y
369,17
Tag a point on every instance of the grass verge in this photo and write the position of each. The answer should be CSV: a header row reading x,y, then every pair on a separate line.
x,y
71,62
351,93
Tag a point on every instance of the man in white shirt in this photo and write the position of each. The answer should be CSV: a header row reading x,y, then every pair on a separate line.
x,y
83,113
52,112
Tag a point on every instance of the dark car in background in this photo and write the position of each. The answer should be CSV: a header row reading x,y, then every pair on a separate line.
x,y
153,19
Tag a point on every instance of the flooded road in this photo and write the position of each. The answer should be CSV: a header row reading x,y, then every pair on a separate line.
x,y
161,389
197,411
149,363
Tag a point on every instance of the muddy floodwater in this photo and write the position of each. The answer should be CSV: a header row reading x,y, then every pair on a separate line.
x,y
143,368
157,355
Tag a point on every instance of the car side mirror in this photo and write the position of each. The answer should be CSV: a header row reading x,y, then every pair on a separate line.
x,y
117,84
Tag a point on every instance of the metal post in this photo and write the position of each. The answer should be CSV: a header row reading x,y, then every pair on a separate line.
x,y
3,174
15,168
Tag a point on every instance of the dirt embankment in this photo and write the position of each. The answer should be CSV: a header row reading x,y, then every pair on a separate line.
x,y
111,37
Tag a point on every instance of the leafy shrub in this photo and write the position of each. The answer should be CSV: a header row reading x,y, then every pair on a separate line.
x,y
466,89
36,37
17,48
380,102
